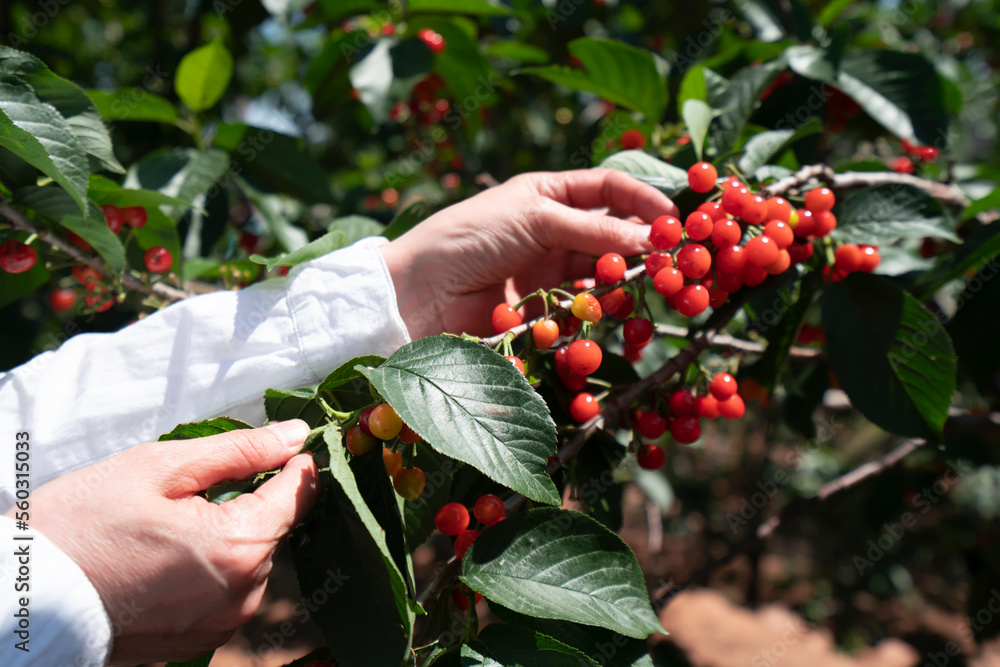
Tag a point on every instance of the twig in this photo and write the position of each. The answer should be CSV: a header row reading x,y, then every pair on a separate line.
x,y
946,192
444,577
163,291
738,344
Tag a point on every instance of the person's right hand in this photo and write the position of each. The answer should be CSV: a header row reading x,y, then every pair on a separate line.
x,y
178,574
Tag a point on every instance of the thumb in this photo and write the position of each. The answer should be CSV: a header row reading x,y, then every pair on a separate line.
x,y
591,232
282,502
194,465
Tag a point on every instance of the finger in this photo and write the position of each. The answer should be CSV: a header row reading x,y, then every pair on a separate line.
x,y
194,465
282,502
590,233
596,188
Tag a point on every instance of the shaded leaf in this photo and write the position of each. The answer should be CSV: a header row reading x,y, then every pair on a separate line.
x,y
135,104
886,213
324,245
650,170
203,76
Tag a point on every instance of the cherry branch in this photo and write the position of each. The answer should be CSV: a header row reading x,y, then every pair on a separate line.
x,y
958,423
162,291
738,344
948,193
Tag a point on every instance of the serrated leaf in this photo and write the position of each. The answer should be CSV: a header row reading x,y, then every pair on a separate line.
x,y
133,104
886,213
204,429
203,76
356,227
469,403
324,245
649,169
473,7
980,247
620,73
94,230
560,564
764,146
341,554
407,219
519,51
103,191
39,135
697,116
735,100
510,646
347,371
285,404
890,354
182,174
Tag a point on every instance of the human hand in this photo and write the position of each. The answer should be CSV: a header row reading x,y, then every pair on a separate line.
x,y
534,231
178,574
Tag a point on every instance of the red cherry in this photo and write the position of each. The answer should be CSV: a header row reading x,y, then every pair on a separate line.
x,y
584,357
650,457
753,275
691,300
452,518
722,386
433,40
489,509
633,139
728,282
820,199
761,251
778,208
733,407
682,403
358,442
637,331
409,483
561,362
573,382
545,333
685,430
709,406
870,260
516,363
464,541
902,165
86,275
755,210
699,226
78,242
735,201
825,222
928,154
569,326
779,265
408,435
731,259
805,225
780,232
158,259
668,282
714,209
702,177
17,257
584,407
505,318
694,260
363,419
617,303
656,261
610,268
848,258
666,232
114,217
62,299
651,425
134,216
800,252
726,232
586,307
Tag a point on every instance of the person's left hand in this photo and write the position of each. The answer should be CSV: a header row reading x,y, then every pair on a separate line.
x,y
534,231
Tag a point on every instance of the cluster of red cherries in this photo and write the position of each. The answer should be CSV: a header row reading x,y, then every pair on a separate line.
x,y
904,164
382,423
737,238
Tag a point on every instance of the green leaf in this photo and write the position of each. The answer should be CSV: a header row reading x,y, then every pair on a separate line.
x,y
348,371
519,51
650,170
781,336
981,246
735,100
697,116
356,227
886,213
623,74
387,74
324,245
764,146
832,10
560,564
285,404
890,354
203,76
468,403
344,564
203,429
182,174
419,514
407,219
509,646
609,648
692,86
764,20
103,191
133,104
94,230
990,202
474,7
39,135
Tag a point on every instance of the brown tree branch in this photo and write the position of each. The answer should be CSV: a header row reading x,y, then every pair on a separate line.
x,y
735,344
162,291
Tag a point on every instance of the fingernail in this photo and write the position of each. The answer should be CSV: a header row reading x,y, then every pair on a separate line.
x,y
291,433
641,233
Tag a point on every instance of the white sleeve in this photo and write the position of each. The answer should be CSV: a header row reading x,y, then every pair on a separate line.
x,y
52,614
203,357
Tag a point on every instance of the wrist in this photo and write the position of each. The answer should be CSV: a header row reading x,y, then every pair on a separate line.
x,y
411,294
